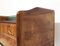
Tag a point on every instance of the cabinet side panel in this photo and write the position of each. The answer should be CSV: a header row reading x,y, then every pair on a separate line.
x,y
35,30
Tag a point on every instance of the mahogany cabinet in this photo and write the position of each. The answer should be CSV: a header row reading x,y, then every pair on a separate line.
x,y
34,27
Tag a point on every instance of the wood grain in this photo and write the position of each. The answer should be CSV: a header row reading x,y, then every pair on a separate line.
x,y
8,34
35,27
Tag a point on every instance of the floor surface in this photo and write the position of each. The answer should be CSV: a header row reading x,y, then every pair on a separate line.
x,y
57,34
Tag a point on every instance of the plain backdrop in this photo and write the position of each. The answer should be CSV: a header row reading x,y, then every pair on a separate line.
x,y
11,7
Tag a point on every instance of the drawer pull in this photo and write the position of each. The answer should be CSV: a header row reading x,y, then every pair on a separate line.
x,y
9,32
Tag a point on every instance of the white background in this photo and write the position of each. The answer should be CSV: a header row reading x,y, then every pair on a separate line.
x,y
10,7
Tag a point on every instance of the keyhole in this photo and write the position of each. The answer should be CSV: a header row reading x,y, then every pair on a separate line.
x,y
1,44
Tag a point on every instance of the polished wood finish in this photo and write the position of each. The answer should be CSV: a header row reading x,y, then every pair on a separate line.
x,y
35,27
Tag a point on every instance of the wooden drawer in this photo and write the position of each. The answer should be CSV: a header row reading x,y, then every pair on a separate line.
x,y
8,34
7,28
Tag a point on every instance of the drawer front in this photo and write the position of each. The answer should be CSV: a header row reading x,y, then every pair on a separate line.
x,y
8,34
9,29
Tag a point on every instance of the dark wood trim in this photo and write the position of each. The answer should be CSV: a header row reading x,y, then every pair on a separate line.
x,y
3,18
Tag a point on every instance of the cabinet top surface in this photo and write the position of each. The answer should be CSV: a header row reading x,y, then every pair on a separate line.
x,y
12,22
